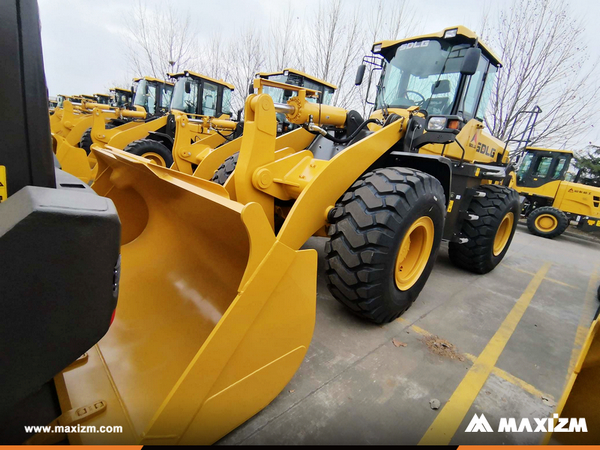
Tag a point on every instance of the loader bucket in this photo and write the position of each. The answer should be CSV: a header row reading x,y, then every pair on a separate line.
x,y
581,394
75,160
214,316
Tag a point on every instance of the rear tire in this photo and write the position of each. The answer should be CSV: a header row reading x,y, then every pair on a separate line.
x,y
371,266
226,169
86,138
547,222
490,235
155,151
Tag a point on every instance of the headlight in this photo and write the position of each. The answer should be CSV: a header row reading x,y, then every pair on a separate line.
x,y
437,123
450,33
376,48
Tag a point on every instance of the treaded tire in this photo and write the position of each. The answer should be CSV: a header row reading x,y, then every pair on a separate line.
x,y
225,170
561,218
86,138
143,146
368,226
477,255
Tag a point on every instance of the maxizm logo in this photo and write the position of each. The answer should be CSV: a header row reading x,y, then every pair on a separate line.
x,y
544,425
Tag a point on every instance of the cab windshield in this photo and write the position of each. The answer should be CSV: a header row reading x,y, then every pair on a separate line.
x,y
424,74
145,96
185,95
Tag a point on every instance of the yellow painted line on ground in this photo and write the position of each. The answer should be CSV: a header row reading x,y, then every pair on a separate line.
x,y
506,376
552,280
450,417
587,311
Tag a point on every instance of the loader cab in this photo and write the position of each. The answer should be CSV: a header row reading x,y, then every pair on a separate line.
x,y
121,98
295,78
539,166
449,73
89,98
153,95
103,99
197,94
60,100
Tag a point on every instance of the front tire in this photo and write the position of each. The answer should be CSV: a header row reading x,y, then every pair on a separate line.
x,y
225,170
547,222
491,234
155,151
384,237
86,138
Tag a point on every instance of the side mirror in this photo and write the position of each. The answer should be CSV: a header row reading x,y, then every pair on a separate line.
x,y
188,87
251,89
471,61
360,74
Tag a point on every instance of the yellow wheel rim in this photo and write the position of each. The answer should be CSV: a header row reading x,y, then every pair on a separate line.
x,y
546,222
155,158
503,233
414,253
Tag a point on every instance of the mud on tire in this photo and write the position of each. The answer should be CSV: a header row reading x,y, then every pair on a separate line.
x,y
368,226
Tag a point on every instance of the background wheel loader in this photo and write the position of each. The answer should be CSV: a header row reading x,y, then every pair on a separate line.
x,y
203,100
58,239
550,202
217,299
214,157
73,134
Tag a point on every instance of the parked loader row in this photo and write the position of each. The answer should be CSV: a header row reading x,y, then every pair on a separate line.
x,y
216,297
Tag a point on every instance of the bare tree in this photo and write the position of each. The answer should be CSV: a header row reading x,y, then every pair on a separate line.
x,y
160,40
546,63
282,41
389,20
244,58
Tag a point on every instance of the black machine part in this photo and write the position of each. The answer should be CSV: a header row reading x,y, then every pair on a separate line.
x,y
24,125
59,282
60,246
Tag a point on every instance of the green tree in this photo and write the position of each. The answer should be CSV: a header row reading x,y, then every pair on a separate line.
x,y
589,165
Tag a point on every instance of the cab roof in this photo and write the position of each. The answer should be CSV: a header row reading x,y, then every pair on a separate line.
x,y
541,149
187,73
121,89
297,72
102,95
463,35
156,80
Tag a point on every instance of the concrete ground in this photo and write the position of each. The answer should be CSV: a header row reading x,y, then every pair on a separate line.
x,y
509,339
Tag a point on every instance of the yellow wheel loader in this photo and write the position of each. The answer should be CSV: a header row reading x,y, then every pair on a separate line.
x,y
217,298
550,202
74,138
59,242
204,101
214,157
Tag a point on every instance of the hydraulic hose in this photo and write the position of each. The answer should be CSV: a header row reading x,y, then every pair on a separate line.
x,y
318,130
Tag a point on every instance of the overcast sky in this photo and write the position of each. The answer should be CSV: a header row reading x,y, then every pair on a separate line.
x,y
84,50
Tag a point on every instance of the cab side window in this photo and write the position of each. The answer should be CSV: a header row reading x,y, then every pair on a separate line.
x,y
166,95
542,167
209,99
471,96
